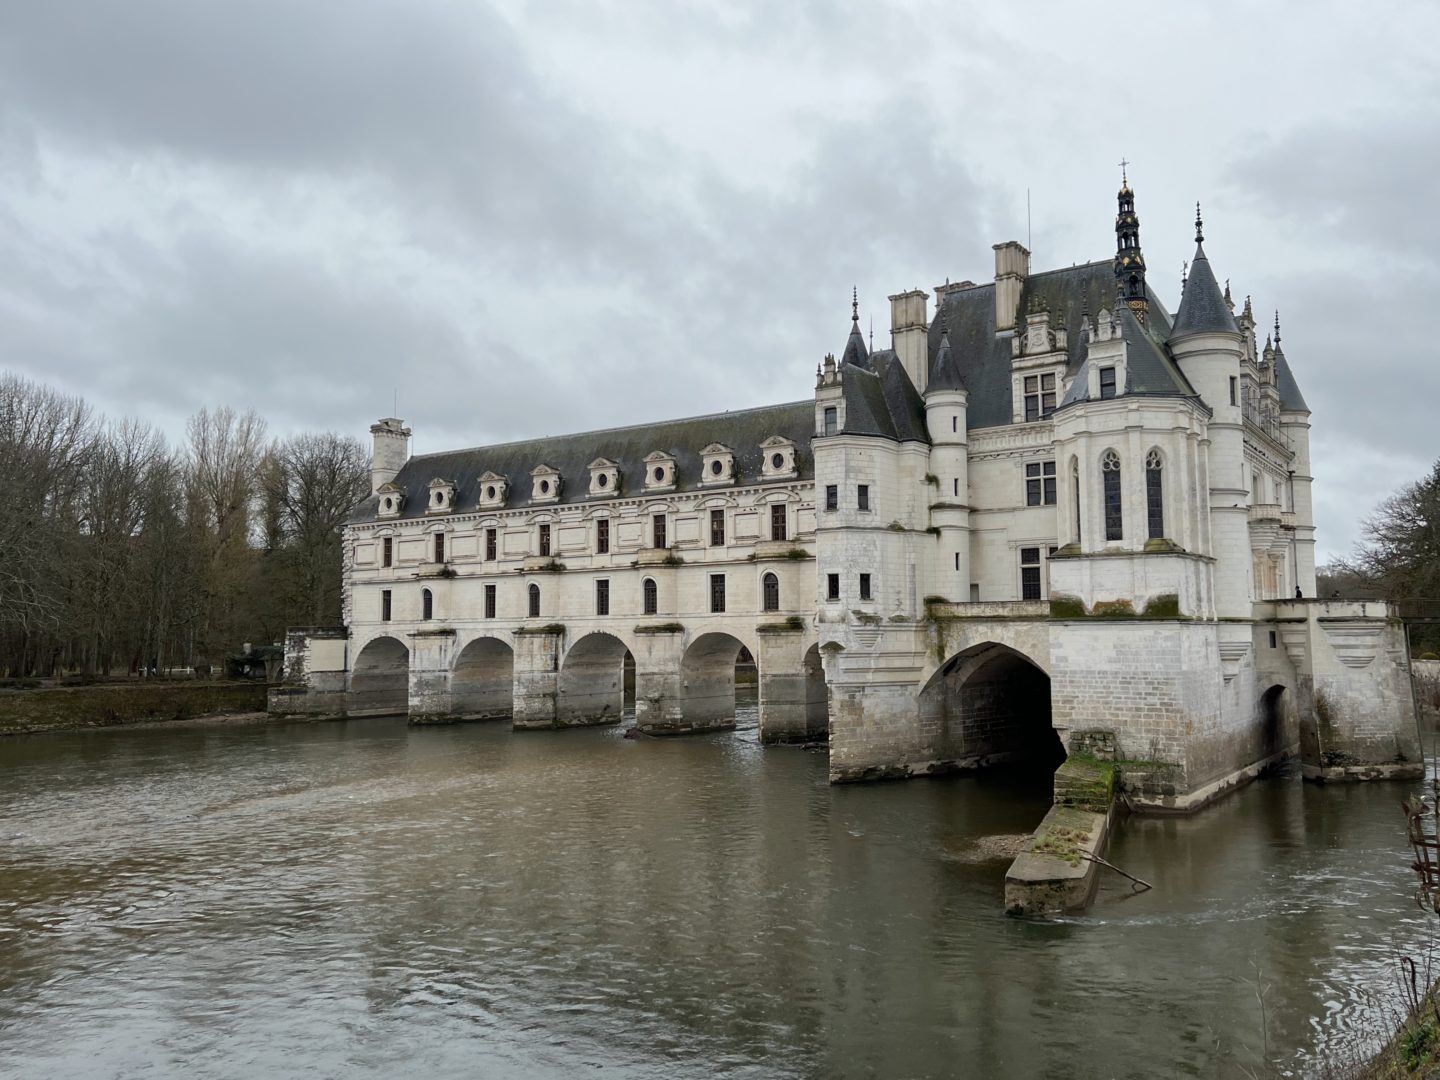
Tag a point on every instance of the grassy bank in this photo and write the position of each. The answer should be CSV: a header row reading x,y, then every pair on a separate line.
x,y
73,708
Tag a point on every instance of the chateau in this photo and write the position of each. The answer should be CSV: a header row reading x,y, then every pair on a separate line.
x,y
1051,515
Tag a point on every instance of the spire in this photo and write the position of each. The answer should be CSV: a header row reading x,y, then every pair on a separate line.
x,y
1229,303
1129,259
1202,305
855,351
944,373
1184,274
1277,328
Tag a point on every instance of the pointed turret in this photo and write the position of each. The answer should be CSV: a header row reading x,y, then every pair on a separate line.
x,y
855,351
1129,259
1203,308
1291,399
945,374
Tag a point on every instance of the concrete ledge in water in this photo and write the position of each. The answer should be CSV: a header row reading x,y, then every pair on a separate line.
x,y
1349,774
1052,874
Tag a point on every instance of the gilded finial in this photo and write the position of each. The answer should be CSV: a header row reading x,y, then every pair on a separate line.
x,y
1199,225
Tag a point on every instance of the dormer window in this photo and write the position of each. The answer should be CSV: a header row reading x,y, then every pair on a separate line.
x,y
659,471
544,484
442,497
777,458
604,477
717,465
392,498
493,489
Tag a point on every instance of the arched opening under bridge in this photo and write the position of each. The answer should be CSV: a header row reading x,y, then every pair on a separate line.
x,y
593,681
482,684
1274,708
380,678
709,672
990,705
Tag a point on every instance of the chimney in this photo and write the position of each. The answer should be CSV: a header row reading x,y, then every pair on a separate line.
x,y
1012,264
908,335
391,451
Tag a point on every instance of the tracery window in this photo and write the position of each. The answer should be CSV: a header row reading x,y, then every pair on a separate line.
x,y
1110,471
1155,494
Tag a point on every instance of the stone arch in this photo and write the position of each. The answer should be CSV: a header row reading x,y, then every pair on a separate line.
x,y
592,681
380,678
482,682
1274,709
707,680
990,705
817,694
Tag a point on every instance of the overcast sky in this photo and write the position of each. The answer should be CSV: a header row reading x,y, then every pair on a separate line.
x,y
529,218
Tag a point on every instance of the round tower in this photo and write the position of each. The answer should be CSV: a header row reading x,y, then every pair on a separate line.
x,y
946,402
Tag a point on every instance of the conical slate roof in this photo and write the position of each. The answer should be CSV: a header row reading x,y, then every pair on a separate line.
x,y
1291,400
1203,309
855,351
944,374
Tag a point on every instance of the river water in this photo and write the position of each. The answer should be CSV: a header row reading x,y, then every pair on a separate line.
x,y
366,899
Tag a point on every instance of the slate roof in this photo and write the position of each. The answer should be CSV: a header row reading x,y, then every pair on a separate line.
x,y
944,375
1202,307
742,431
1291,399
983,358
855,351
1149,370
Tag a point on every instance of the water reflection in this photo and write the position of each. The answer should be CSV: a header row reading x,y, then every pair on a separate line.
x,y
368,899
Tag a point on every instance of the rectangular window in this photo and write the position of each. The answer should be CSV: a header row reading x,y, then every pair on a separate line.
x,y
602,597
974,592
864,586
384,605
490,544
1107,382
602,536
954,423
544,539
1040,483
831,420
439,547
1272,639
955,486
657,524
832,586
777,521
832,497
717,592
717,528
1030,573
489,601
387,552
1039,396
862,497
1232,389
957,560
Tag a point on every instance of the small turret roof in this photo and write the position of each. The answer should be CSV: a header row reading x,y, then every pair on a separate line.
x,y
1203,307
944,374
1291,400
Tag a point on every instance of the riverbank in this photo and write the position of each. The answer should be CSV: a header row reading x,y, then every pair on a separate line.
x,y
128,704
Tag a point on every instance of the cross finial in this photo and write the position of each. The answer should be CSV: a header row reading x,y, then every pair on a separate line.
x,y
1199,225
1124,179
855,305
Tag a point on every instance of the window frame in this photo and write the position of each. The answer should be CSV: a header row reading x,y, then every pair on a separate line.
x,y
862,497
832,498
1111,383
649,597
1031,578
490,604
1039,394
779,522
769,591
387,605
387,551
865,593
717,527
439,551
492,544
830,420
659,532
1112,499
602,536
533,595
832,587
602,596
427,605
544,538
717,594
1040,483
1155,495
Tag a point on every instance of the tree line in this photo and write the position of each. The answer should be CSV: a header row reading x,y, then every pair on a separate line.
x,y
1398,559
122,554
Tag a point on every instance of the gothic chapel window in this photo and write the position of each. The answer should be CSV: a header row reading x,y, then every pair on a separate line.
x,y
1110,471
1155,494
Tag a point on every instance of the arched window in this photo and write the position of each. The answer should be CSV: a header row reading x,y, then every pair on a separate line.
x,y
770,587
427,604
1075,493
534,601
1110,472
1155,494
650,596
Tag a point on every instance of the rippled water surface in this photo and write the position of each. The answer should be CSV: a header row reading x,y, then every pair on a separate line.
x,y
366,899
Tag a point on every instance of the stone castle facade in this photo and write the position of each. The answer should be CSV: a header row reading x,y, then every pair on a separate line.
x,y
1050,509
